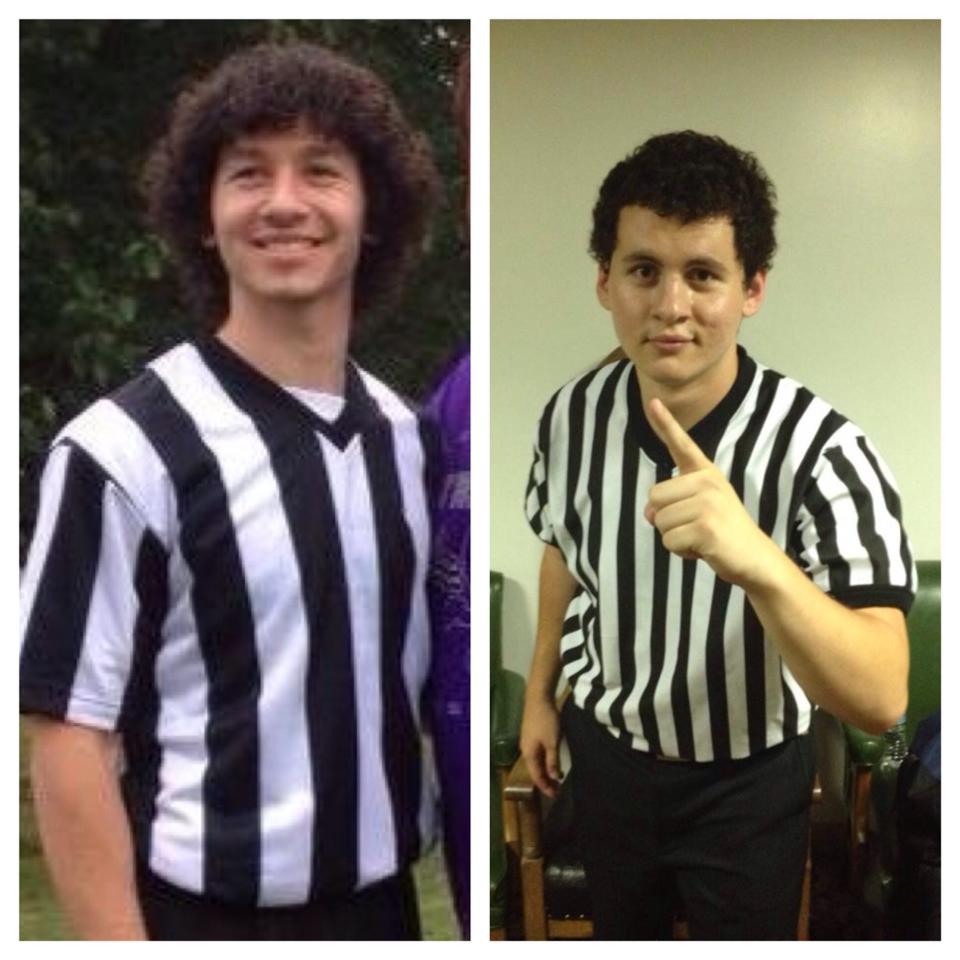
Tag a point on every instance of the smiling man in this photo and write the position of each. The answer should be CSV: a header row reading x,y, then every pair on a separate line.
x,y
723,552
225,598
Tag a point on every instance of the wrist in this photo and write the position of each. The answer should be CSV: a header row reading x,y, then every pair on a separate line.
x,y
539,697
769,570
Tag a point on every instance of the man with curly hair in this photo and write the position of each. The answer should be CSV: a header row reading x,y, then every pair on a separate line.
x,y
225,599
723,551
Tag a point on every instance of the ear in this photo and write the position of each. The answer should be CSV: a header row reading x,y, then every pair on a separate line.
x,y
603,288
755,290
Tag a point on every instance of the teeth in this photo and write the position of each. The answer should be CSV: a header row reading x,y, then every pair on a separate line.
x,y
286,242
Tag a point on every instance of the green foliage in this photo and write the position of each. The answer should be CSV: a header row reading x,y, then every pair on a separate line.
x,y
97,296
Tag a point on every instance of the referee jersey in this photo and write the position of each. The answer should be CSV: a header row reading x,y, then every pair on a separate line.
x,y
661,651
237,586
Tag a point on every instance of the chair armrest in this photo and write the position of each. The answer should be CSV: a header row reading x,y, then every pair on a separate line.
x,y
520,790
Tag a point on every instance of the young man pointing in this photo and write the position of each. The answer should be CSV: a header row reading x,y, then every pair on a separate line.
x,y
723,551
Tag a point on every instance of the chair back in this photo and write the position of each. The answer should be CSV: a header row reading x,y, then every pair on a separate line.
x,y
496,643
923,627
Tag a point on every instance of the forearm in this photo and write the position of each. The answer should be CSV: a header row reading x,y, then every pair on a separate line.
x,y
853,663
85,833
557,587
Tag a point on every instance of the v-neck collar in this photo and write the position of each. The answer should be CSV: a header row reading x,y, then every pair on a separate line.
x,y
359,409
707,431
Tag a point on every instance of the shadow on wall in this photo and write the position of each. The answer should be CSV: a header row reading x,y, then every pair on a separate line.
x,y
519,626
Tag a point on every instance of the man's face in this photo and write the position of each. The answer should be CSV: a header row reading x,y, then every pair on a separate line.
x,y
676,292
287,209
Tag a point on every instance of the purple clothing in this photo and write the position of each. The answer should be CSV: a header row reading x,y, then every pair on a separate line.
x,y
449,585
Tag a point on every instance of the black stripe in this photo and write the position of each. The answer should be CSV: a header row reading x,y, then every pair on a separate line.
x,y
225,633
892,500
598,459
658,629
584,625
543,491
754,652
866,519
770,491
769,502
53,639
305,494
140,711
576,415
838,569
801,481
627,576
601,419
679,693
716,672
717,703
396,558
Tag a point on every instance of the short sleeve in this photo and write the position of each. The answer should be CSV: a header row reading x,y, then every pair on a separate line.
x,y
537,504
850,537
93,576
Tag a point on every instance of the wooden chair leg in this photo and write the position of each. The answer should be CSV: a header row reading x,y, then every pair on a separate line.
x,y
803,922
534,911
857,843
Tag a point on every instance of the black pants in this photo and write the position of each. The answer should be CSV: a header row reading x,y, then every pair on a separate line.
x,y
726,839
385,911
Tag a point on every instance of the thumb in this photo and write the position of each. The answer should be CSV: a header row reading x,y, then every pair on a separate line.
x,y
685,453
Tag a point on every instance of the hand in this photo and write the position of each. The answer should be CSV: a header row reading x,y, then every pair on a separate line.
x,y
540,744
698,513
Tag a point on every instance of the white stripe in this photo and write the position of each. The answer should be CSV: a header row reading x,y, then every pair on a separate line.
x,y
609,586
376,843
559,441
274,589
783,398
884,524
643,559
176,844
127,457
107,650
663,695
703,587
51,493
733,646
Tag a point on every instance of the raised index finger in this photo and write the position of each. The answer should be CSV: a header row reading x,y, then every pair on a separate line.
x,y
685,453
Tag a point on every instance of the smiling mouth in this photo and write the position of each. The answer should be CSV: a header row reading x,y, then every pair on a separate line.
x,y
286,243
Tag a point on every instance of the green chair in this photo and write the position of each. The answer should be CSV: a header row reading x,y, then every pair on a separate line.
x,y
506,708
869,802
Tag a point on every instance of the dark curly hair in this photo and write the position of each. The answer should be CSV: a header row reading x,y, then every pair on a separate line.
x,y
272,86
691,176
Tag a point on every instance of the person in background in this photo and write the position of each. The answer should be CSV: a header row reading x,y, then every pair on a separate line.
x,y
449,584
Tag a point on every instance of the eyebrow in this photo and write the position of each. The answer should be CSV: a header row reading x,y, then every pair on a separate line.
x,y
710,263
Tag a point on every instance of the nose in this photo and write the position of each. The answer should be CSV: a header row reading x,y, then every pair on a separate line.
x,y
672,301
284,201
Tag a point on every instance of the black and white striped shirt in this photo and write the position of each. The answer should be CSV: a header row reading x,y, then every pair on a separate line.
x,y
661,651
237,586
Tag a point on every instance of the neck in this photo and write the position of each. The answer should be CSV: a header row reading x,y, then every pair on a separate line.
x,y
690,402
292,344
